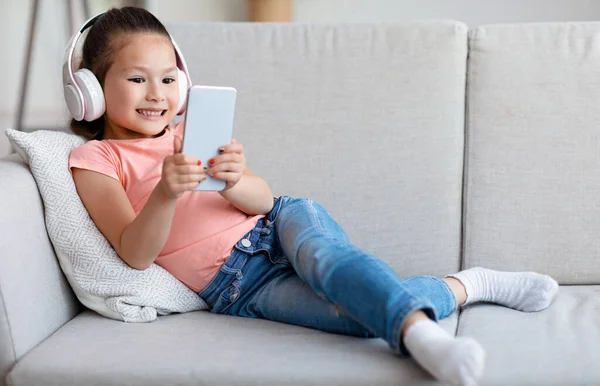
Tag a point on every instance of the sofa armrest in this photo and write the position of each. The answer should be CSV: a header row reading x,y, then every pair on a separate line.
x,y
35,297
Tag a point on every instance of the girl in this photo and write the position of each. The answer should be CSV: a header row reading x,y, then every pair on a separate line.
x,y
244,253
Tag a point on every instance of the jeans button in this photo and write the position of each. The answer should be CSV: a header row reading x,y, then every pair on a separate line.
x,y
246,243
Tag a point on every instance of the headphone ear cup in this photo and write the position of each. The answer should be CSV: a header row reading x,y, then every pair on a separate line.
x,y
182,83
93,96
74,102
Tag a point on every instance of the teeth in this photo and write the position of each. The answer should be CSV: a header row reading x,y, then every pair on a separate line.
x,y
150,113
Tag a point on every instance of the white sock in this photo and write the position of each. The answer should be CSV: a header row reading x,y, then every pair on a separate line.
x,y
454,361
524,291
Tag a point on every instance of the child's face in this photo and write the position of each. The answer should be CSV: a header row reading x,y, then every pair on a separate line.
x,y
140,87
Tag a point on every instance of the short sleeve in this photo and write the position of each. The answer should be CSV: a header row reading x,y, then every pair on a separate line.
x,y
97,157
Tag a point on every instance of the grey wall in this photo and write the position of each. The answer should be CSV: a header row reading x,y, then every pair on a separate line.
x,y
45,107
472,12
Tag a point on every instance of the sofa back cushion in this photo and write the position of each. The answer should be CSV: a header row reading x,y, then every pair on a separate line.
x,y
533,165
366,119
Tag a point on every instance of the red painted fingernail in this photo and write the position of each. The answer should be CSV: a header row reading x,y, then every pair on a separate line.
x,y
199,163
211,161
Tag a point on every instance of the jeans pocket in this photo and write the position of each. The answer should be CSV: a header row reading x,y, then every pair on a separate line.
x,y
231,293
277,257
227,298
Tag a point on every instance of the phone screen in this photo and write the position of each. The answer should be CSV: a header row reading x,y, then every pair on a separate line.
x,y
208,125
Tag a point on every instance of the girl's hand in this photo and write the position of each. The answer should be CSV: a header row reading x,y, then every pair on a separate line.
x,y
180,173
229,165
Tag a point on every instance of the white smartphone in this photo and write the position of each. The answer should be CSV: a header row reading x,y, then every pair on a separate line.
x,y
208,126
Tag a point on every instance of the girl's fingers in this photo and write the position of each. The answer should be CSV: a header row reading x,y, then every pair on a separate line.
x,y
177,145
226,158
227,176
226,167
232,148
182,159
185,178
182,170
183,187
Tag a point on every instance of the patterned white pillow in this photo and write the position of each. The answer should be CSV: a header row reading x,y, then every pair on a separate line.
x,y
99,278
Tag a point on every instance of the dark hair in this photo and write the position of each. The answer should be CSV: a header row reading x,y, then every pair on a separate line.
x,y
100,46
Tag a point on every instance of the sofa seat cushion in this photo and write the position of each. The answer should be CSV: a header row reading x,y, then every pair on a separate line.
x,y
203,348
558,346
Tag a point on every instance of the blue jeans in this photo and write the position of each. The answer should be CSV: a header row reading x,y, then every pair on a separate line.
x,y
297,266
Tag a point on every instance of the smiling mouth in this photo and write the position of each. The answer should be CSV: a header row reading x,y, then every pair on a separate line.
x,y
151,113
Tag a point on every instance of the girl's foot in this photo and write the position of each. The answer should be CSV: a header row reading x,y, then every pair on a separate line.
x,y
453,361
524,291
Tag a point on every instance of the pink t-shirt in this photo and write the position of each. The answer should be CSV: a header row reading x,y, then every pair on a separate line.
x,y
205,225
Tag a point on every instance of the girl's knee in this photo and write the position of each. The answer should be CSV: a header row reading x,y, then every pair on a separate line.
x,y
294,204
289,200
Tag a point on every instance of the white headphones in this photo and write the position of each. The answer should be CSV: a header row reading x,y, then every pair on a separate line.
x,y
82,90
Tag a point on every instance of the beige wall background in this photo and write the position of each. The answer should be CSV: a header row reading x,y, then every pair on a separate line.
x,y
45,107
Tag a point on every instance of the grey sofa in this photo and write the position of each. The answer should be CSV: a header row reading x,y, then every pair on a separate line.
x,y
437,148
